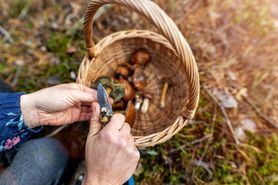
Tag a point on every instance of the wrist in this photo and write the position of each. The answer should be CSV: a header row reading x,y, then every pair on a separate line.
x,y
95,181
29,111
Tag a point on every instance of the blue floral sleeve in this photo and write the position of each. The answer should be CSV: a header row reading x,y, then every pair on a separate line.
x,y
13,130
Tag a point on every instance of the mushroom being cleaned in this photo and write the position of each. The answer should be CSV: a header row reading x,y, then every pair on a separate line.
x,y
130,113
129,89
141,57
116,91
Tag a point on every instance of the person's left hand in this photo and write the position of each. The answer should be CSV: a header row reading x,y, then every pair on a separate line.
x,y
58,105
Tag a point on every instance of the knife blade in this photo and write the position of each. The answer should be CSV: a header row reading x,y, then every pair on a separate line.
x,y
106,111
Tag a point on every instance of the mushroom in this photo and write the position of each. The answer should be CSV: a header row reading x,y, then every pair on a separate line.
x,y
138,102
164,95
108,90
130,113
104,80
129,89
116,91
139,78
145,105
141,57
119,112
120,105
123,70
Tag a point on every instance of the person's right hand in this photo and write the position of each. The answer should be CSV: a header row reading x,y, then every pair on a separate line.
x,y
111,156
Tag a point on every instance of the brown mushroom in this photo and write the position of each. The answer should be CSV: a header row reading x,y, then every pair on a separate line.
x,y
122,70
129,89
139,79
120,105
141,57
130,114
108,90
119,112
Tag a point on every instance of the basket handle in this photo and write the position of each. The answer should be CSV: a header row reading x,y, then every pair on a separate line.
x,y
169,30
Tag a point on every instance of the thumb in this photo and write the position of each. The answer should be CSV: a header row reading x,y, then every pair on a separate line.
x,y
95,125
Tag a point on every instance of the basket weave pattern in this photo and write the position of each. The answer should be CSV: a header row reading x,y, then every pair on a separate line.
x,y
172,59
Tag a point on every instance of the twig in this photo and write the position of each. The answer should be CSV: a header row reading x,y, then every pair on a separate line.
x,y
193,122
259,177
25,10
228,122
204,165
197,141
6,34
56,131
259,112
17,74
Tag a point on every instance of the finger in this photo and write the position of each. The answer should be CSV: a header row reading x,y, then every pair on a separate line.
x,y
80,96
81,87
84,116
131,143
85,89
95,125
85,109
111,101
116,122
86,104
125,130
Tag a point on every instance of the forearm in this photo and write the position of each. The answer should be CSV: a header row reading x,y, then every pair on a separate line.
x,y
13,129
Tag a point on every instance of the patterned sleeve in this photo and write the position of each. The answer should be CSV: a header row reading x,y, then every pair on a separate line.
x,y
13,130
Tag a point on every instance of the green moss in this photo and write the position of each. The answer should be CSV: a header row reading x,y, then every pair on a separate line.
x,y
265,162
2,67
58,44
202,101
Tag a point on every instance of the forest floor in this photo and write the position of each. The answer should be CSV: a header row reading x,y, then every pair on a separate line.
x,y
233,138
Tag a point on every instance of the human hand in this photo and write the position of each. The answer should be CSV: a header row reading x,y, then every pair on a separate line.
x,y
111,156
58,105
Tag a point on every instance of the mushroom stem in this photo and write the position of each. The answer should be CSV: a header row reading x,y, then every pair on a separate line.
x,y
164,95
145,105
138,102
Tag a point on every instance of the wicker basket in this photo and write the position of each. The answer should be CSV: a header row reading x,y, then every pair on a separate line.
x,y
172,59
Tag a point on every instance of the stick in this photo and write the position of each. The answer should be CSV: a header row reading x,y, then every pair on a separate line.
x,y
17,74
228,122
56,131
25,10
197,141
259,112
6,34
